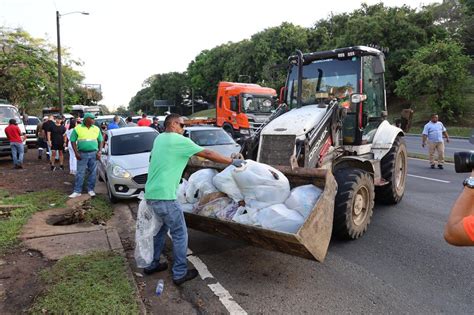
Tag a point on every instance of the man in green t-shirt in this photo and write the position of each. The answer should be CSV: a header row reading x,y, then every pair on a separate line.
x,y
170,154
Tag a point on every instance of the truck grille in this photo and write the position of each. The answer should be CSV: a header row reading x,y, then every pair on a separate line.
x,y
277,149
140,179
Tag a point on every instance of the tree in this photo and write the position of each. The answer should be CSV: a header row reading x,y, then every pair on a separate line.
x,y
28,71
439,72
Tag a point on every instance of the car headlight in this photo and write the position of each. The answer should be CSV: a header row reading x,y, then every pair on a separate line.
x,y
120,172
245,131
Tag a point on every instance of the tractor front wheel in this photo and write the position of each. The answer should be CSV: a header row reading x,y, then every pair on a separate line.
x,y
354,204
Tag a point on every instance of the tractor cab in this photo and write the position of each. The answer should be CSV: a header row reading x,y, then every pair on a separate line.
x,y
337,75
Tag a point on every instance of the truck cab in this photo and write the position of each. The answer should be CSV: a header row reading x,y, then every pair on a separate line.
x,y
241,108
8,112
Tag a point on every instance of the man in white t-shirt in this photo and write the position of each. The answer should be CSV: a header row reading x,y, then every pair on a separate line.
x,y
434,131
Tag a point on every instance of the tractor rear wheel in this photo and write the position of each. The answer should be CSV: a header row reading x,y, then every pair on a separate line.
x,y
394,170
354,203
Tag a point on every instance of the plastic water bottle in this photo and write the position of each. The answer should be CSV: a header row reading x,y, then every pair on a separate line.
x,y
159,287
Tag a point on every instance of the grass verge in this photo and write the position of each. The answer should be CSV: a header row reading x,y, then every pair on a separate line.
x,y
101,210
11,223
92,284
210,113
452,131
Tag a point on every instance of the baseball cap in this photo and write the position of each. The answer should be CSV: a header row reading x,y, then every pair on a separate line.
x,y
89,115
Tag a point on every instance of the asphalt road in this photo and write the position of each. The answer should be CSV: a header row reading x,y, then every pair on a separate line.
x,y
454,145
401,265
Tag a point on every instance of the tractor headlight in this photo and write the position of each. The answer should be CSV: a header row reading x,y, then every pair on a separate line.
x,y
245,132
120,172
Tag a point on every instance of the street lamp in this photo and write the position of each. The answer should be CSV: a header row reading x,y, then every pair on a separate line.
x,y
60,77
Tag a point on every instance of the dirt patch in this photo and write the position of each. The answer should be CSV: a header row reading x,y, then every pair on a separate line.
x,y
19,280
35,176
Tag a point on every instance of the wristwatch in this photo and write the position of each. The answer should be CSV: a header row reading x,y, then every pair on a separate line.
x,y
469,182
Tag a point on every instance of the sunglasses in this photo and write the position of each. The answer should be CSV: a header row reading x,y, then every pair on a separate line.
x,y
181,125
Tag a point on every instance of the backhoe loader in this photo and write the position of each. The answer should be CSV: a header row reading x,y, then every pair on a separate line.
x,y
329,130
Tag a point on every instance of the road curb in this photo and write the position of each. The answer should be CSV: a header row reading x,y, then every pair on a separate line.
x,y
121,251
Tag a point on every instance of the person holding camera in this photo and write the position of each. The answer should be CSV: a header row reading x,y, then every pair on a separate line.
x,y
459,229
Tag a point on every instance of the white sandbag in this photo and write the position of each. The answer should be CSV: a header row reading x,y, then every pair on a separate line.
x,y
224,182
148,225
200,184
303,199
228,212
211,208
246,216
261,182
187,207
280,218
181,192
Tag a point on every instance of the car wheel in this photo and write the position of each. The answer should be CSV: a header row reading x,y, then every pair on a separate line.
x,y
110,194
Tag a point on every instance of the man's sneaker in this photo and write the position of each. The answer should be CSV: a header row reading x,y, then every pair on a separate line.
x,y
190,275
157,268
53,168
432,166
74,195
91,193
61,167
40,157
440,166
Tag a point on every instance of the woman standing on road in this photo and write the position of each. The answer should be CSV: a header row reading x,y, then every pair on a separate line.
x,y
72,156
56,140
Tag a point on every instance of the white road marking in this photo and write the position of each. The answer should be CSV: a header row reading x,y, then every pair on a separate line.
x,y
224,296
226,299
432,179
200,266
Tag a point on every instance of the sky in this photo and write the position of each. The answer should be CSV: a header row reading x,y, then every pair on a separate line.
x,y
122,43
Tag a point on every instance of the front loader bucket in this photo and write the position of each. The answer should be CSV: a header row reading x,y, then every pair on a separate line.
x,y
312,239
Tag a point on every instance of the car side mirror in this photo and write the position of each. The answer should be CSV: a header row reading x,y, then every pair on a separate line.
x,y
357,98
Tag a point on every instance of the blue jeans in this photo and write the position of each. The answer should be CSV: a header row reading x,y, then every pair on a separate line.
x,y
173,220
18,152
88,161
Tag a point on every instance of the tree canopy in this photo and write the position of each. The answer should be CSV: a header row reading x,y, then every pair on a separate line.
x,y
262,59
28,72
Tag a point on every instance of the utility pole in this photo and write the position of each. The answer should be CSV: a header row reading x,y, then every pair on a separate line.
x,y
60,75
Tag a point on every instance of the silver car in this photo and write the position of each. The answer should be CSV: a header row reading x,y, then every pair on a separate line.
x,y
213,138
125,160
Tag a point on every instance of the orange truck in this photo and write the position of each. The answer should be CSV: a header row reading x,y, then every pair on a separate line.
x,y
240,108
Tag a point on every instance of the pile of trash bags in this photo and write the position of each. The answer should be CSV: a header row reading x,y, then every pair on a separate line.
x,y
254,194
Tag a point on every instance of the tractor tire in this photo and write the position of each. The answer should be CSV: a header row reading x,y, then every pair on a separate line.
x,y
394,170
354,204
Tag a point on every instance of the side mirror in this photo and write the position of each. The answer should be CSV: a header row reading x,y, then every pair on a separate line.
x,y
357,98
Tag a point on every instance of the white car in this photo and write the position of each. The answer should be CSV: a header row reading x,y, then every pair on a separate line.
x,y
31,124
213,138
125,160
8,112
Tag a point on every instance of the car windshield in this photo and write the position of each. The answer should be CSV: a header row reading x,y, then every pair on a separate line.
x,y
331,78
7,113
257,103
33,121
211,137
133,143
